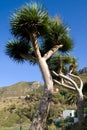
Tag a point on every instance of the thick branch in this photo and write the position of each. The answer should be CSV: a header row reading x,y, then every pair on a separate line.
x,y
68,82
67,78
78,78
62,80
64,85
28,57
52,51
55,73
35,45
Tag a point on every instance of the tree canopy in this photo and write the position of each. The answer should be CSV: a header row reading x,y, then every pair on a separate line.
x,y
33,18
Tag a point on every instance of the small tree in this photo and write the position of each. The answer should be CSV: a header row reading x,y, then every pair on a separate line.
x,y
65,69
30,25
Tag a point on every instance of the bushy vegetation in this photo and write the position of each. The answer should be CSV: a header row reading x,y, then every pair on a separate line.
x,y
14,111
7,128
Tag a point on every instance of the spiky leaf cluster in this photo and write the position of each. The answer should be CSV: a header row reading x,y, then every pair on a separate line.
x,y
18,47
58,35
63,62
31,18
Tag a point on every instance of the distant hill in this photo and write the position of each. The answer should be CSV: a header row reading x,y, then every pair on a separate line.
x,y
20,101
83,70
22,96
19,89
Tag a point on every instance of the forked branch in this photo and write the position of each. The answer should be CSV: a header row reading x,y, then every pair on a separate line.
x,y
78,78
64,85
52,51
67,79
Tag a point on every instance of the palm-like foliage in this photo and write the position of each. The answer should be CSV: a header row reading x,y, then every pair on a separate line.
x,y
71,98
29,25
58,35
29,19
62,63
34,19
16,48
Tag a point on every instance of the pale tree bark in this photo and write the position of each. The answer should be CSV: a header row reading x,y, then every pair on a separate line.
x,y
80,100
69,82
40,117
42,64
39,120
80,108
52,51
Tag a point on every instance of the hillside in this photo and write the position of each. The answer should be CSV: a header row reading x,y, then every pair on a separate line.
x,y
19,102
13,100
19,89
83,70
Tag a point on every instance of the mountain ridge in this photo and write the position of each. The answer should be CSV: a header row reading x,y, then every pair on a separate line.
x,y
83,70
22,98
19,89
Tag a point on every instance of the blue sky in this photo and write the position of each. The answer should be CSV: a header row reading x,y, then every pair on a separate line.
x,y
72,12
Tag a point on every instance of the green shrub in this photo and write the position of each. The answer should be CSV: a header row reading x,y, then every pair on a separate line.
x,y
69,119
85,110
